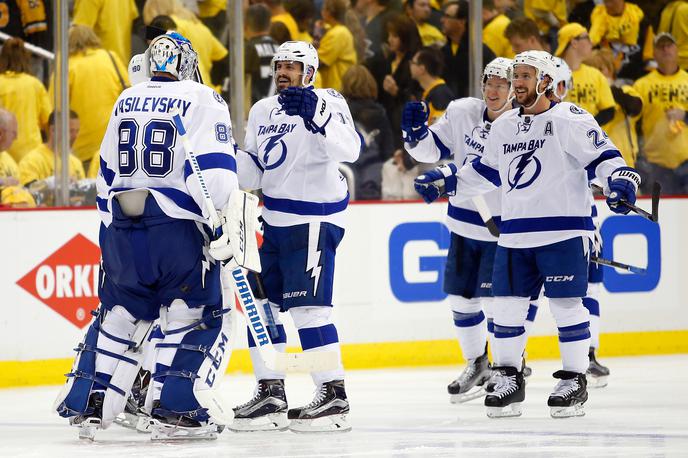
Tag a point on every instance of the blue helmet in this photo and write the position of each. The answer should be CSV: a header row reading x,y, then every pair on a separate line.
x,y
172,53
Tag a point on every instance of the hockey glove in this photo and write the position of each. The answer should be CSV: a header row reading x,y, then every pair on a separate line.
x,y
622,185
414,122
304,102
430,184
220,247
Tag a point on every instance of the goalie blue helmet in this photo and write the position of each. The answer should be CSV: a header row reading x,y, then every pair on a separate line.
x,y
172,53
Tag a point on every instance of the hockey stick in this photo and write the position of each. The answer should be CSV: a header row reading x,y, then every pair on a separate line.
x,y
485,215
274,360
656,191
618,265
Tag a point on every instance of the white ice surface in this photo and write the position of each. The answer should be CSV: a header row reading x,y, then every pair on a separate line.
x,y
406,413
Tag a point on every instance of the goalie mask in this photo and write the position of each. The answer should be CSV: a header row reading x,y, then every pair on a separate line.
x,y
172,53
499,68
297,51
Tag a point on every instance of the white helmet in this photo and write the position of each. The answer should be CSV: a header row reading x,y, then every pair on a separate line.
x,y
297,51
172,53
564,75
139,68
501,68
542,62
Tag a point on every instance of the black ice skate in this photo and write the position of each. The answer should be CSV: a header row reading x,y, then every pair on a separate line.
x,y
470,384
327,411
266,411
168,425
597,374
134,415
569,395
508,392
91,420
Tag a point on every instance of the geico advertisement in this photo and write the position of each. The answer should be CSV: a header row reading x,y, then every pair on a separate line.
x,y
388,279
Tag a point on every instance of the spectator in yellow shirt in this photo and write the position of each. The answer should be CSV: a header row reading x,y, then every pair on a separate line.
x,y
24,95
419,11
524,35
336,48
591,89
210,51
96,78
622,128
665,102
674,20
112,21
549,15
11,193
619,26
39,164
283,23
494,25
303,12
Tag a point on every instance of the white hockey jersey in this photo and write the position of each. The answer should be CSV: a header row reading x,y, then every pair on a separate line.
x,y
142,149
297,169
461,131
543,163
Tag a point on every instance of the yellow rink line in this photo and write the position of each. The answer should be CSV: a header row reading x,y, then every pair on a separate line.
x,y
386,354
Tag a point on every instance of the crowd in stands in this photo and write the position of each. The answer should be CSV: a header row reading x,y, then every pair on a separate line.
x,y
628,60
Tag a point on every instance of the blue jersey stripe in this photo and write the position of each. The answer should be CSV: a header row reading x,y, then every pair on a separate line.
x,y
211,161
546,223
445,153
301,207
487,172
102,204
606,155
108,174
468,216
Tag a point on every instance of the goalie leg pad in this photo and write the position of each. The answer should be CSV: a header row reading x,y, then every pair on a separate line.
x,y
192,357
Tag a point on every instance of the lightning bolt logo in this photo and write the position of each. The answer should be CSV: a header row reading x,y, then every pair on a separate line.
x,y
270,144
313,258
522,166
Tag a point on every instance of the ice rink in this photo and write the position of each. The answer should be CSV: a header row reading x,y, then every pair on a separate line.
x,y
406,413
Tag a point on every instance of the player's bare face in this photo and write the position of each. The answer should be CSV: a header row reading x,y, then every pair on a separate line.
x,y
496,93
288,74
524,83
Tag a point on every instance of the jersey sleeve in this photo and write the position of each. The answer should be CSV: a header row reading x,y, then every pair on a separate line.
x,y
107,169
481,175
341,141
249,168
210,136
438,144
586,143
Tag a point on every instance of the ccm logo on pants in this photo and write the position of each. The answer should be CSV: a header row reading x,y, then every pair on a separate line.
x,y
559,278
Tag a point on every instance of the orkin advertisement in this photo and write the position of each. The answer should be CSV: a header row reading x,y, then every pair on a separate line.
x,y
388,280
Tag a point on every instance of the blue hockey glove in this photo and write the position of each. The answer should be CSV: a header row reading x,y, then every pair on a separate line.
x,y
304,102
436,182
414,120
622,184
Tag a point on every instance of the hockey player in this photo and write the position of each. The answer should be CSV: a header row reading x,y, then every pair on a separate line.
x,y
542,155
155,255
597,373
294,142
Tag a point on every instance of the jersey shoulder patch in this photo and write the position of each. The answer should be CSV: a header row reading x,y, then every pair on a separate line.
x,y
334,93
576,110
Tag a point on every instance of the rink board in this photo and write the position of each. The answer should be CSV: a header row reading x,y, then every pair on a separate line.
x,y
389,306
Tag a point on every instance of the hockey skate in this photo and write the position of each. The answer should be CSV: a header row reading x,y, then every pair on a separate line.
x,y
326,413
90,421
266,411
509,391
597,374
166,425
568,396
471,383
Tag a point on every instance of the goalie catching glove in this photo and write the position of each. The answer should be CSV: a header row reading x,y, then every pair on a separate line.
x,y
236,236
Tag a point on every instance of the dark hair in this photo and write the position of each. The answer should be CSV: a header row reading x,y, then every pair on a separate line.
x,y
163,22
303,11
337,9
407,31
462,10
51,118
358,83
258,18
14,57
522,27
431,59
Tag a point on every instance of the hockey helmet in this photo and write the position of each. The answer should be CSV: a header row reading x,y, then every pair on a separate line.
x,y
501,68
173,54
564,75
543,63
297,51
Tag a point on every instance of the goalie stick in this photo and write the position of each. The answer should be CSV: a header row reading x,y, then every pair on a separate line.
x,y
274,360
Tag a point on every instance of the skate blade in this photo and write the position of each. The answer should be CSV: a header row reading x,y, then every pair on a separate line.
x,y
88,428
473,393
512,410
270,422
164,432
567,412
597,382
329,424
143,425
